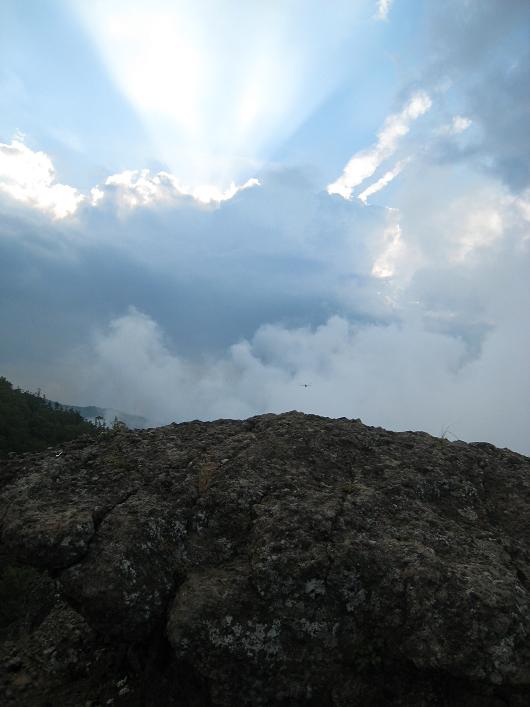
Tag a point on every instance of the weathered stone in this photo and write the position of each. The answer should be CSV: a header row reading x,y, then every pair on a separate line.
x,y
292,559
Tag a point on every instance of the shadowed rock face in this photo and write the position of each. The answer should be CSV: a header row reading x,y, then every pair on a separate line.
x,y
292,559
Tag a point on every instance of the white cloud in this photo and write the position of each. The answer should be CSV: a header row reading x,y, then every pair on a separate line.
x,y
383,181
385,264
364,163
479,229
401,376
458,125
452,219
29,177
140,188
383,8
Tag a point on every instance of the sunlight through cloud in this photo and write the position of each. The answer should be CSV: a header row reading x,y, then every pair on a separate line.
x,y
364,163
29,177
140,188
219,86
383,181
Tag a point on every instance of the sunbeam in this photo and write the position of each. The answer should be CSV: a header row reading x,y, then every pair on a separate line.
x,y
219,86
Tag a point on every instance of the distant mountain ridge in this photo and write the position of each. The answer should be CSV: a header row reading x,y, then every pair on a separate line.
x,y
90,412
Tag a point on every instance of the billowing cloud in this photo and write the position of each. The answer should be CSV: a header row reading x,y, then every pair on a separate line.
x,y
29,177
452,220
422,327
403,376
412,316
364,163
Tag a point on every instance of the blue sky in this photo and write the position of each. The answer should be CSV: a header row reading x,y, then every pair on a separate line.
x,y
204,205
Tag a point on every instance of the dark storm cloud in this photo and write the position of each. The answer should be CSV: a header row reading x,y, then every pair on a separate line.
x,y
482,47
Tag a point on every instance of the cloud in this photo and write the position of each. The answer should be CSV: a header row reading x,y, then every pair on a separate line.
x,y
410,316
402,376
383,8
480,48
364,163
457,125
220,87
29,177
383,181
282,253
385,265
140,188
455,216
423,327
500,105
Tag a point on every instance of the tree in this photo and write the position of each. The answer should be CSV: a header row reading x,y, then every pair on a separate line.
x,y
28,422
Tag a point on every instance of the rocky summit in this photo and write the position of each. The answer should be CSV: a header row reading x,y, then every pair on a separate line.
x,y
282,560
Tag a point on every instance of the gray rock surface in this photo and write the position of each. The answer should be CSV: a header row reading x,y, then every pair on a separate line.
x,y
290,559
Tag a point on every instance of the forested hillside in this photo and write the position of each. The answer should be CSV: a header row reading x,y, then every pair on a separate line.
x,y
29,422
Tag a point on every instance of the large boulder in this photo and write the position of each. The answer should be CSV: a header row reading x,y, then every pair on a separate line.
x,y
292,559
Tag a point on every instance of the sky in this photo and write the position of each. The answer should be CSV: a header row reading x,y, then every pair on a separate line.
x,y
220,209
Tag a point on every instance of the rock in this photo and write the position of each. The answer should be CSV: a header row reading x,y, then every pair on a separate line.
x,y
13,665
21,681
290,559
